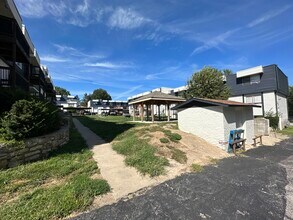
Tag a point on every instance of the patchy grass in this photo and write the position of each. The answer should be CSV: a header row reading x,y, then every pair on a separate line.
x,y
140,154
164,140
127,140
52,188
172,136
179,155
287,131
196,168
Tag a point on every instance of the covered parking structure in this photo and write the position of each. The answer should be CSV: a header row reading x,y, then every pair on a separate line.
x,y
153,101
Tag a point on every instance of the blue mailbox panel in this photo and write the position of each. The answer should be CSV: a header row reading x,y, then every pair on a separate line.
x,y
234,135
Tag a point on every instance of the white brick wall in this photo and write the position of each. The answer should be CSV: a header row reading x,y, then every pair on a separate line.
x,y
215,123
206,123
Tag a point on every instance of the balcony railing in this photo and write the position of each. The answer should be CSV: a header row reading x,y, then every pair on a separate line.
x,y
4,77
6,26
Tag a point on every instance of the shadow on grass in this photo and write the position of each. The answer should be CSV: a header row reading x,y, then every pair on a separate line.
x,y
107,128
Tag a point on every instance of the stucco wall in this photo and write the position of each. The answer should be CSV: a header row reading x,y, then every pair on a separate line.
x,y
282,110
244,117
269,100
32,149
206,123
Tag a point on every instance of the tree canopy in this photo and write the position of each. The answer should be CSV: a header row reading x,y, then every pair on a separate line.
x,y
208,83
290,100
61,91
100,94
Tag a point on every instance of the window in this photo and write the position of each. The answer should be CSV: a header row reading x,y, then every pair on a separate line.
x,y
255,99
247,80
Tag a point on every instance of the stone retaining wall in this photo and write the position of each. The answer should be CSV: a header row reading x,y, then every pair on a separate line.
x,y
13,154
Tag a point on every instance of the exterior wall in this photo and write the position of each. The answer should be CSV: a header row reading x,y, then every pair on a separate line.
x,y
269,101
239,118
236,98
33,148
282,110
206,123
261,126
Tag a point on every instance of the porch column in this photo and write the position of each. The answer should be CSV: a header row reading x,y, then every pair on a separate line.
x,y
141,111
153,117
133,107
168,111
159,112
147,112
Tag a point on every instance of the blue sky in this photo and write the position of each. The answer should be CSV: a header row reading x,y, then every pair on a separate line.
x,y
128,47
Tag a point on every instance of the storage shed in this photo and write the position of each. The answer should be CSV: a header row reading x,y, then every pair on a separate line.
x,y
213,119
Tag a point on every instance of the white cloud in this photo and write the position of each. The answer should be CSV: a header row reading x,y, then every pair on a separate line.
x,y
76,52
126,19
53,59
268,16
108,65
215,42
128,92
32,8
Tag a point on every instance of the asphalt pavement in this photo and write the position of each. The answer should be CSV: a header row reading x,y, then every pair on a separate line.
x,y
257,185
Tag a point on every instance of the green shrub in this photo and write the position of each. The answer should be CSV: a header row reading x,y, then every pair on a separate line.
x,y
164,140
29,118
9,96
273,118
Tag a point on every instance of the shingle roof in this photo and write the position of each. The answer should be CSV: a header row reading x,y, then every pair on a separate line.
x,y
157,96
202,102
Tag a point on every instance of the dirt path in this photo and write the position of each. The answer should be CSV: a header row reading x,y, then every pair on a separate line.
x,y
122,179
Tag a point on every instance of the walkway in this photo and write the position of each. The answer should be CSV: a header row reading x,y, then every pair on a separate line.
x,y
123,180
255,186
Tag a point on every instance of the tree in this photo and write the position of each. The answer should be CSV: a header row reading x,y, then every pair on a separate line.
x,y
85,99
61,91
208,83
101,94
290,100
227,72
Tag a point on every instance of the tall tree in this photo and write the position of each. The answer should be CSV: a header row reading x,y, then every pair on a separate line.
x,y
101,94
85,99
290,100
208,83
61,91
227,72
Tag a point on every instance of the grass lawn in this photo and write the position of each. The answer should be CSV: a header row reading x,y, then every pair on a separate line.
x,y
132,141
52,188
287,131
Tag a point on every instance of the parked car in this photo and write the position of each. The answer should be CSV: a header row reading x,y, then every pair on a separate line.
x,y
112,113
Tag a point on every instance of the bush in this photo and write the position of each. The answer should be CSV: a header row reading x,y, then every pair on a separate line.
x,y
8,97
29,118
164,140
173,136
273,118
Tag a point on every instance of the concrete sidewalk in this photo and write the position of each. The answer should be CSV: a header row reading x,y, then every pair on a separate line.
x,y
123,180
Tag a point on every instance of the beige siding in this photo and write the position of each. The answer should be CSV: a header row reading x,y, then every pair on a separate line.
x,y
206,123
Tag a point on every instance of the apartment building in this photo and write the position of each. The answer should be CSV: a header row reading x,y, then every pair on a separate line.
x,y
20,65
265,86
66,101
106,106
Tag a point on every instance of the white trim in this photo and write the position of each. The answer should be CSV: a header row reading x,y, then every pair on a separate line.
x,y
249,72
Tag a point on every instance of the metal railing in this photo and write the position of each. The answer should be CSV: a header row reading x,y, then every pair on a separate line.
x,y
4,77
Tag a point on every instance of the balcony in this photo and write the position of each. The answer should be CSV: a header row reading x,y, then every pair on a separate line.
x,y
4,77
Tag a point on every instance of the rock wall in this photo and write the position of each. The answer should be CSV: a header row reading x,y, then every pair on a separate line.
x,y
15,153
